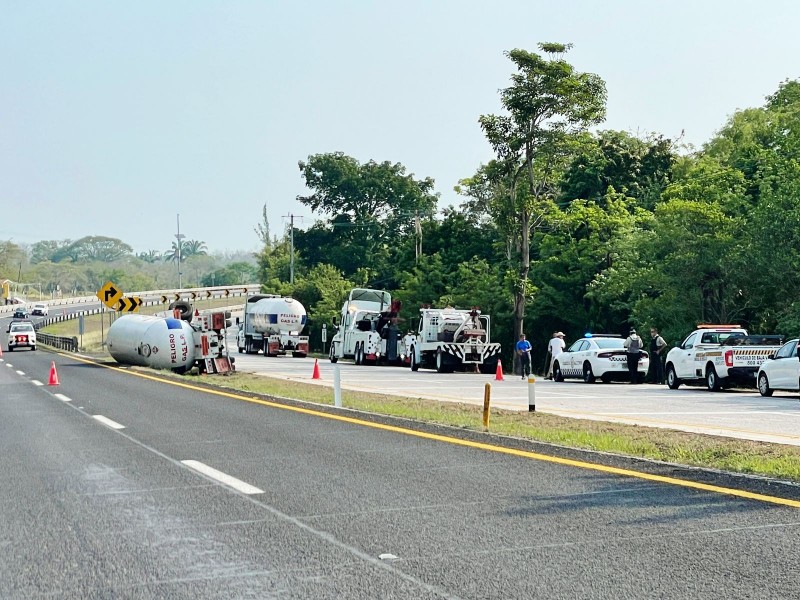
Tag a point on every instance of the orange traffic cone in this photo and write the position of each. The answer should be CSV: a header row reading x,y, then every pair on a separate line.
x,y
499,374
53,375
315,374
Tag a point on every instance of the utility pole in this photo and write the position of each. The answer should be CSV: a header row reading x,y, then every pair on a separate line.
x,y
290,216
179,238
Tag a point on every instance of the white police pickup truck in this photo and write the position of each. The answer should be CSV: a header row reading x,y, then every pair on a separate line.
x,y
719,356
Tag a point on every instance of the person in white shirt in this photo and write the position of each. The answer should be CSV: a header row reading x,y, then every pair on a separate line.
x,y
554,347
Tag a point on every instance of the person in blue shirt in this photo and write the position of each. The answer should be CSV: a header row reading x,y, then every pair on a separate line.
x,y
524,352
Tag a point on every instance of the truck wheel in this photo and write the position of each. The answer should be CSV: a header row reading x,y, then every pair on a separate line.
x,y
440,366
557,374
299,354
763,385
332,354
412,359
588,375
712,381
672,379
359,359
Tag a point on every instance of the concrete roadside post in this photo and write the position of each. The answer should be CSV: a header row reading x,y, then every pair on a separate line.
x,y
531,393
337,386
487,392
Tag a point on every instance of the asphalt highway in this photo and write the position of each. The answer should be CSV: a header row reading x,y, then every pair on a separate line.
x,y
116,485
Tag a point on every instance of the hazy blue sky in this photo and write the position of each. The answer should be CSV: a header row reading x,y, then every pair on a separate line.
x,y
115,116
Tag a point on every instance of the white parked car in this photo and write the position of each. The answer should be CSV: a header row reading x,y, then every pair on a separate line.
x,y
781,371
597,356
21,334
39,309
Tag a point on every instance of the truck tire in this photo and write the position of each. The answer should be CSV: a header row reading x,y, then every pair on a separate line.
x,y
557,374
332,354
299,354
412,359
441,367
672,378
763,385
588,374
712,380
359,357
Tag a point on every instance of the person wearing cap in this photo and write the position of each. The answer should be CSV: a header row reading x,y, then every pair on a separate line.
x,y
524,351
554,347
633,348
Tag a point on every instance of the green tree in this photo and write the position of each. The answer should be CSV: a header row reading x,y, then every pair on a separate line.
x,y
93,248
46,250
639,168
194,248
151,256
370,207
549,105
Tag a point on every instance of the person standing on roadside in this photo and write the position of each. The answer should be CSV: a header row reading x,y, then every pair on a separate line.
x,y
633,348
657,345
554,347
524,352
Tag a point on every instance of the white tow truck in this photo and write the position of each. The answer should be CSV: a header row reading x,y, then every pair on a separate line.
x,y
719,356
450,338
367,330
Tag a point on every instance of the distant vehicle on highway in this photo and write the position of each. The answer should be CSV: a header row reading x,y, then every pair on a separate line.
x,y
780,371
597,356
21,334
39,309
21,312
16,300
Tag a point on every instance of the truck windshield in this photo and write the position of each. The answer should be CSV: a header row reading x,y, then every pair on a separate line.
x,y
371,296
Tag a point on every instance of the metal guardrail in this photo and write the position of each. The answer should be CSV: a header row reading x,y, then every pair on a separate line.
x,y
70,344
150,296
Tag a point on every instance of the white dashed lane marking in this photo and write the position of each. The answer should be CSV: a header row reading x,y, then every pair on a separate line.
x,y
223,478
109,422
36,382
62,397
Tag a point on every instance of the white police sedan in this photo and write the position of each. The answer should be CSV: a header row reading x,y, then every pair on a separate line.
x,y
596,356
781,371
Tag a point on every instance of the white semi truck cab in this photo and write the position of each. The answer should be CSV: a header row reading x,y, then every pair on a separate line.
x,y
366,329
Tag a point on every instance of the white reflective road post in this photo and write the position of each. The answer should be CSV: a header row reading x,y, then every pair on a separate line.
x,y
531,393
337,386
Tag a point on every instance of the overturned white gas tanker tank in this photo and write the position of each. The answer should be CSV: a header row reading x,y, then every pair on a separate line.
x,y
170,343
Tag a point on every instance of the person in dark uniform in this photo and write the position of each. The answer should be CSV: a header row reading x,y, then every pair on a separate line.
x,y
657,345
633,348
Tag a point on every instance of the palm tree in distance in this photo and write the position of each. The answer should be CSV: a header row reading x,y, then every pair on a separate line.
x,y
193,248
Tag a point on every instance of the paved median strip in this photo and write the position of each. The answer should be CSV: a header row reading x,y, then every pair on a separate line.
x,y
221,477
109,422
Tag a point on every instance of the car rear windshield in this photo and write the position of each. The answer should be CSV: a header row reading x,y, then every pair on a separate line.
x,y
606,343
16,328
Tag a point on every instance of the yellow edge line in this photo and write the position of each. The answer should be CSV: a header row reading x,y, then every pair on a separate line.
x,y
467,443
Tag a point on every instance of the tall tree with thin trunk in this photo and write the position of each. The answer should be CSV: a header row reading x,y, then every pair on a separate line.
x,y
549,105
